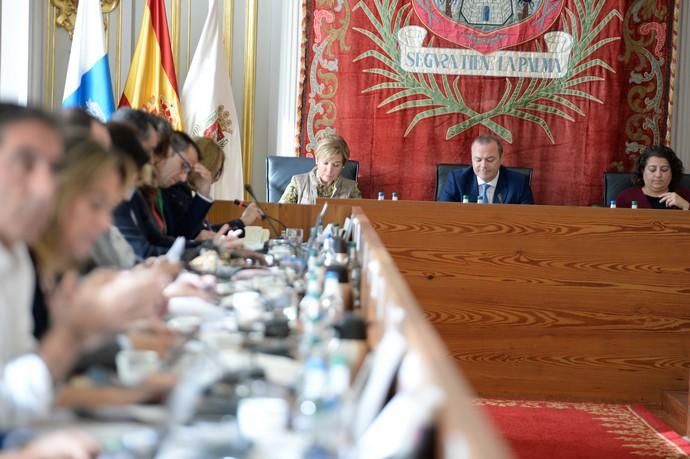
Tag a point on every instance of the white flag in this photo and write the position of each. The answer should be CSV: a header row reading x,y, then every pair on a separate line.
x,y
209,108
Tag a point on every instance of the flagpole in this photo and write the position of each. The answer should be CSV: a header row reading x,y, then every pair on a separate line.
x,y
175,31
249,89
118,53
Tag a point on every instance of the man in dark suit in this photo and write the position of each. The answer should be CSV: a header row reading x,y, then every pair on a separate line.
x,y
487,181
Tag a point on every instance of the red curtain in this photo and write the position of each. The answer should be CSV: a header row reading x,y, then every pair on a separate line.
x,y
599,116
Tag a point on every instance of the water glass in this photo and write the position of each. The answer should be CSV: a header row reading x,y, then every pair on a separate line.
x,y
295,236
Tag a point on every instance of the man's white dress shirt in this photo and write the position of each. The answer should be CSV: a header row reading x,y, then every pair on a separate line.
x,y
26,387
492,187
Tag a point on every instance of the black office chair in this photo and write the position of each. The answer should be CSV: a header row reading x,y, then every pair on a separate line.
x,y
280,169
443,169
615,182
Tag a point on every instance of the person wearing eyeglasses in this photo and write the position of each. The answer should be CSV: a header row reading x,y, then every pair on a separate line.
x,y
185,216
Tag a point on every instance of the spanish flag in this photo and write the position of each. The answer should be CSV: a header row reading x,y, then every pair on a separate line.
x,y
152,83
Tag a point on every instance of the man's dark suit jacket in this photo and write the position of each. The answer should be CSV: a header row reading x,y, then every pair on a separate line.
x,y
512,187
185,212
137,224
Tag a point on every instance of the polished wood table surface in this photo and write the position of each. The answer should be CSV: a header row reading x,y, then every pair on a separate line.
x,y
567,303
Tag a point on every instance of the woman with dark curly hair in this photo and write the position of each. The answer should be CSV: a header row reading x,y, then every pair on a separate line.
x,y
657,177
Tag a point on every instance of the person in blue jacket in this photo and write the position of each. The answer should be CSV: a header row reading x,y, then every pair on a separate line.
x,y
487,181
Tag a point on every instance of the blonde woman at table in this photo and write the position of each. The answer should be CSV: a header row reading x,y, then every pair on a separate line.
x,y
324,181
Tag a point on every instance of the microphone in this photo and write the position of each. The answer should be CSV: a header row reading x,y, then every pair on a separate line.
x,y
248,188
240,203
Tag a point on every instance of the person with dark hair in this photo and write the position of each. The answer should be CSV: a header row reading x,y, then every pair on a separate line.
x,y
144,125
164,130
127,143
487,181
112,249
75,119
656,176
187,217
31,149
146,220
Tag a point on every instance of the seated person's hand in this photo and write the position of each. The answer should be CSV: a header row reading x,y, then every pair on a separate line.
x,y
189,284
160,263
206,235
256,257
228,240
108,301
201,179
672,199
251,214
61,445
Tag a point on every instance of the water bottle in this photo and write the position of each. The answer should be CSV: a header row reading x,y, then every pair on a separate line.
x,y
612,204
381,196
394,196
332,304
355,269
633,205
465,198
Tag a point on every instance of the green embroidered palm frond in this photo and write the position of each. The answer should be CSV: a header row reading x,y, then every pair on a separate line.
x,y
528,99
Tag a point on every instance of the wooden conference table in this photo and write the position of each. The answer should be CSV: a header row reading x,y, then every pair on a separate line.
x,y
539,302
462,430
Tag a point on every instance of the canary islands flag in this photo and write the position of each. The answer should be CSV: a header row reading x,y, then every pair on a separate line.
x,y
152,83
88,74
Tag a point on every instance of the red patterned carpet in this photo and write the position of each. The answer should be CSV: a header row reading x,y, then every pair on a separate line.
x,y
560,430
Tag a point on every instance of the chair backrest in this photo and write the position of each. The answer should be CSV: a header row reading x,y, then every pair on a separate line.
x,y
443,169
280,169
615,182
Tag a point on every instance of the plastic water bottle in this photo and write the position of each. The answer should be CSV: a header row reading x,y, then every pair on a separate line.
x,y
381,196
612,204
394,196
480,199
633,205
465,199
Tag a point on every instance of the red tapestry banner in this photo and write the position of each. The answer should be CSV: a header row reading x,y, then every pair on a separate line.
x,y
573,88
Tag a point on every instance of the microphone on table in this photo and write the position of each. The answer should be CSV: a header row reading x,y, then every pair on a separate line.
x,y
250,191
241,203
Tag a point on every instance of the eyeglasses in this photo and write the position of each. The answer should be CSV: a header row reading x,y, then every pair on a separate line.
x,y
185,163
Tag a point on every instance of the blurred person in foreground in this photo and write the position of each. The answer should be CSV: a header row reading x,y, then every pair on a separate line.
x,y
31,148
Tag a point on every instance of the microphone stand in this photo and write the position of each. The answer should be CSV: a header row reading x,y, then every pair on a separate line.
x,y
268,218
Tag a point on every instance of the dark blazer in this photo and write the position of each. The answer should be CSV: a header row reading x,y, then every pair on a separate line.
x,y
512,187
627,196
136,223
185,212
